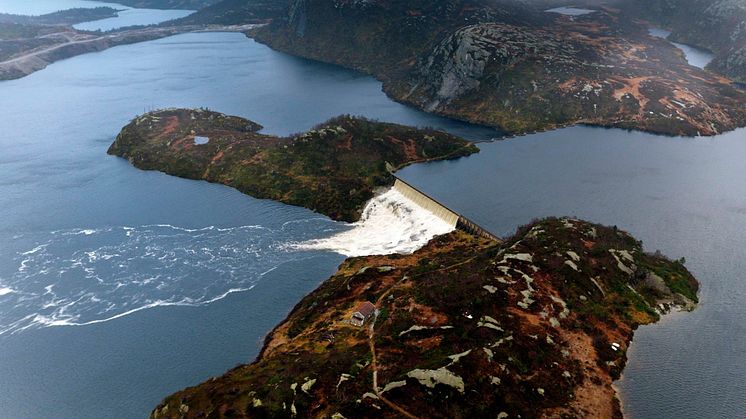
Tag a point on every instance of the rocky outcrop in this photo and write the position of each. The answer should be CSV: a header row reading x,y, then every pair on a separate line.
x,y
461,61
536,326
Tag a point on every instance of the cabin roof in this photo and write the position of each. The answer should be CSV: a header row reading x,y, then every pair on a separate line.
x,y
366,309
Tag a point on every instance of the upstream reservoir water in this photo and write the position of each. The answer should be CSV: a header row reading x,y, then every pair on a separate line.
x,y
685,197
118,286
695,56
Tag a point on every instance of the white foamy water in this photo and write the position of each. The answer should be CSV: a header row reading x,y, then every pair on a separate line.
x,y
89,276
390,223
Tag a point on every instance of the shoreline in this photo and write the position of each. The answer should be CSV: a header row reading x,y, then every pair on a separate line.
x,y
83,42
631,350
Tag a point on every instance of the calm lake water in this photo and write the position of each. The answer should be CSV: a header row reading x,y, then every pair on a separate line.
x,y
128,16
164,282
695,56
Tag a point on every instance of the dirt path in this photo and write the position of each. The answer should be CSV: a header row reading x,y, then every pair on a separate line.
x,y
374,364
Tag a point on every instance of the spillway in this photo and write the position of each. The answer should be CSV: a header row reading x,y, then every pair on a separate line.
x,y
400,220
391,223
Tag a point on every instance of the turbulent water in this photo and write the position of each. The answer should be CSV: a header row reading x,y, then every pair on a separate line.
x,y
83,277
390,223
88,276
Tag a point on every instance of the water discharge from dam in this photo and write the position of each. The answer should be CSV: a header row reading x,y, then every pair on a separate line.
x,y
395,221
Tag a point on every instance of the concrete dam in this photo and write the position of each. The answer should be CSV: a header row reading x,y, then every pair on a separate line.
x,y
456,220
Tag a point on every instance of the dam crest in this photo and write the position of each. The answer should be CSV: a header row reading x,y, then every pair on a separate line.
x,y
452,218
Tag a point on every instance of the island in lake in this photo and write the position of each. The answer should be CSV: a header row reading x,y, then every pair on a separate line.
x,y
536,324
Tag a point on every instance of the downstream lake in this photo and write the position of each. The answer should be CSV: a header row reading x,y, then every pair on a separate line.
x,y
118,286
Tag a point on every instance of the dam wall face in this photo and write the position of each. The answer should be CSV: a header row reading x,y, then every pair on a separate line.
x,y
456,220
426,202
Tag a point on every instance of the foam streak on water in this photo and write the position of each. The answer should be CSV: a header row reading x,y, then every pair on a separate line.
x,y
88,276
390,223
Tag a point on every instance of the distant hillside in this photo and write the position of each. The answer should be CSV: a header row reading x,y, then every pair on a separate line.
x,y
63,17
535,327
714,25
511,65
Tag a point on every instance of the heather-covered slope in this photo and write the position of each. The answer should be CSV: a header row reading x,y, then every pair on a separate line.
x,y
333,169
511,65
536,326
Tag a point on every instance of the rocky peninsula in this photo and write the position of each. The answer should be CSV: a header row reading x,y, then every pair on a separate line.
x,y
537,324
333,169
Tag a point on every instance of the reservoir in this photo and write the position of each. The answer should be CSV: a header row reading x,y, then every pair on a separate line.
x,y
118,286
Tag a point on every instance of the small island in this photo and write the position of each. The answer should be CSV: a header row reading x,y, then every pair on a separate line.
x,y
333,169
535,326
